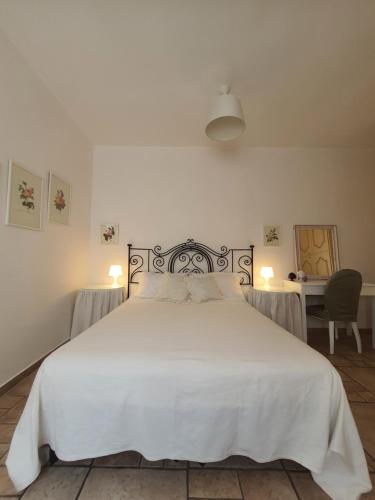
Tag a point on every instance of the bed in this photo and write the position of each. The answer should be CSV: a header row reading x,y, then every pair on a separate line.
x,y
189,381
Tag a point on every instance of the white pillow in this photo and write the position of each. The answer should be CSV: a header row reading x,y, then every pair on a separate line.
x,y
149,284
203,289
229,286
173,288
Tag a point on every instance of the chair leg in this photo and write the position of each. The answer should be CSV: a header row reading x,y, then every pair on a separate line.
x,y
331,327
348,329
336,332
357,337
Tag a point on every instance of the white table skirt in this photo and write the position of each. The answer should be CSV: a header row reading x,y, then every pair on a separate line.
x,y
92,305
282,307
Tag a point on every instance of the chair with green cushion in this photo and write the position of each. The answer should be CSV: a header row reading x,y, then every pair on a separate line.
x,y
341,298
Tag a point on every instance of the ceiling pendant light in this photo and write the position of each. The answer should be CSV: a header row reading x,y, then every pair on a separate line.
x,y
226,120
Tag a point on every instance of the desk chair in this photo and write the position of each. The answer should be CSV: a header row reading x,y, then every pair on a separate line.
x,y
341,298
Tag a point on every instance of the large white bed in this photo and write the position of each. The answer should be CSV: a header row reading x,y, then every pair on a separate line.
x,y
191,381
194,382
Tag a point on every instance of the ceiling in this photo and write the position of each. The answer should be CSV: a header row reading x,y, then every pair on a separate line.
x,y
142,72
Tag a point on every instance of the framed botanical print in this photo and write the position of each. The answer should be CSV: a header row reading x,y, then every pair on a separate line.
x,y
271,236
59,200
24,201
109,234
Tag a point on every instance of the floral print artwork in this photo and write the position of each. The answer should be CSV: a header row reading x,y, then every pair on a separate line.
x,y
24,200
26,194
60,203
59,200
272,236
109,234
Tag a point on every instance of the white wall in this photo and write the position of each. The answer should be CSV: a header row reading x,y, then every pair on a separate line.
x,y
39,271
225,195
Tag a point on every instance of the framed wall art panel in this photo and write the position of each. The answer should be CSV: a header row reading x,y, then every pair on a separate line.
x,y
24,200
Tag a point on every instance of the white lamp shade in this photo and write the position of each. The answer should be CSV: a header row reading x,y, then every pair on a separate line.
x,y
266,272
226,120
115,271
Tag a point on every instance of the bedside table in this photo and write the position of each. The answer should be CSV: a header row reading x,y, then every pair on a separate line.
x,y
281,305
93,302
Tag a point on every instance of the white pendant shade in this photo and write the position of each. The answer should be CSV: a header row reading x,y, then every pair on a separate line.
x,y
226,120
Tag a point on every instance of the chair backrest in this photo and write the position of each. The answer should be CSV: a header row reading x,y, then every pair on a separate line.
x,y
341,295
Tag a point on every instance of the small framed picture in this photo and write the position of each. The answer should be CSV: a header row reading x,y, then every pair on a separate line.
x,y
109,234
272,236
59,200
24,201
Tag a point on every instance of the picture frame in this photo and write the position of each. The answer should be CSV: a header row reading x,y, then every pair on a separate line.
x,y
109,234
59,200
271,235
316,250
24,198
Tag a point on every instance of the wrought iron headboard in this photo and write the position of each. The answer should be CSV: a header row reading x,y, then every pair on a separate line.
x,y
190,257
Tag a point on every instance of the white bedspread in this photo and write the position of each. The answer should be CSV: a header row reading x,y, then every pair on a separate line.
x,y
192,382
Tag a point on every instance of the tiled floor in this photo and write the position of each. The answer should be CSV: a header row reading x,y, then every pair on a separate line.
x,y
128,476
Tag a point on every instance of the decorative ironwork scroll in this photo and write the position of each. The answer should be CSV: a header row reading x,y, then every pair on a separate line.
x,y
190,257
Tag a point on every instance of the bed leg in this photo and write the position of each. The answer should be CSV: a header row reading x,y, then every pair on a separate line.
x,y
52,457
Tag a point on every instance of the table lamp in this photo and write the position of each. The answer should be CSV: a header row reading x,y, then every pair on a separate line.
x,y
115,271
266,273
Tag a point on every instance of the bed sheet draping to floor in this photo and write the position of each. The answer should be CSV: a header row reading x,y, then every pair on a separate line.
x,y
191,382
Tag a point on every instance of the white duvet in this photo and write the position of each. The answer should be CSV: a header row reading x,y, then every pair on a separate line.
x,y
191,382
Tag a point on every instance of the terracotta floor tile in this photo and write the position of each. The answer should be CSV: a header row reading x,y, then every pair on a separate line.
x,y
371,495
134,484
6,485
354,356
23,387
355,397
365,376
370,463
261,485
13,414
124,459
367,396
3,453
3,449
365,363
353,386
214,484
6,433
7,401
56,483
339,361
307,488
343,375
364,415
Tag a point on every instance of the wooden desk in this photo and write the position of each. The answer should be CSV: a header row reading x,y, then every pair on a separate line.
x,y
304,288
